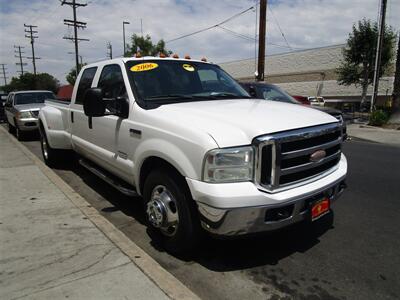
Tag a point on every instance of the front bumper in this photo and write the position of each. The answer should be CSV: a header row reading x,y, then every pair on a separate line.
x,y
240,208
28,124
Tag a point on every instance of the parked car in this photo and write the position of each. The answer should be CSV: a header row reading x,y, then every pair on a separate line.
x,y
3,98
317,101
262,90
204,156
22,110
302,99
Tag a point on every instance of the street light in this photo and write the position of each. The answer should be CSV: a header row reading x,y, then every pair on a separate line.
x,y
123,33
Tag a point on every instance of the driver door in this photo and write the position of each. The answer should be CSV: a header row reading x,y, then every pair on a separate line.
x,y
108,132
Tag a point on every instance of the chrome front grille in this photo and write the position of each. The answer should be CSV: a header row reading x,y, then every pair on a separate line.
x,y
284,159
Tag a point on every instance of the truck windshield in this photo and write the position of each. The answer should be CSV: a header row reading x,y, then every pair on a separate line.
x,y
168,81
29,98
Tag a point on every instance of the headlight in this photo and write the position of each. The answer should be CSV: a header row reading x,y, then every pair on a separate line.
x,y
24,115
229,165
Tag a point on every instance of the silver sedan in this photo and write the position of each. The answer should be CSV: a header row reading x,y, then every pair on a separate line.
x,y
22,110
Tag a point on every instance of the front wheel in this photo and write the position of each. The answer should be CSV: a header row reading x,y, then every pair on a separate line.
x,y
171,211
49,154
11,129
19,133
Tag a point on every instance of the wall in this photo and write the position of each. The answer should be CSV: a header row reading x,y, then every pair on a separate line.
x,y
301,73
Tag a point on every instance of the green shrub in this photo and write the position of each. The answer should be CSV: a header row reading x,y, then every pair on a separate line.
x,y
378,117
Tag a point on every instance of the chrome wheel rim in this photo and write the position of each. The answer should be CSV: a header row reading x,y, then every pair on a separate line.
x,y
44,148
162,210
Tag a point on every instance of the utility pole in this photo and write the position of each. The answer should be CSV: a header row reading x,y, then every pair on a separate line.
x,y
20,63
76,24
378,53
123,34
261,40
141,26
30,34
4,73
396,83
109,50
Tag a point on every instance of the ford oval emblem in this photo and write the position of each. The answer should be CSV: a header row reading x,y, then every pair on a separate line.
x,y
317,155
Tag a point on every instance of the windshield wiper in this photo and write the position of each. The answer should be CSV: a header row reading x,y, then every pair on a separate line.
x,y
169,96
227,95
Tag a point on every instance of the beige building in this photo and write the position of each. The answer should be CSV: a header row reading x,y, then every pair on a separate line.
x,y
308,72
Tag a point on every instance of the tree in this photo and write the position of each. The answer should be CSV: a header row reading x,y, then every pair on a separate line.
x,y
359,55
71,76
145,46
29,81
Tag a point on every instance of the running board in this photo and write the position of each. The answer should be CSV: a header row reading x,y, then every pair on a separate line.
x,y
110,179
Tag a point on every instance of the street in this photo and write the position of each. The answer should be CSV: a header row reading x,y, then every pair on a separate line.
x,y
351,254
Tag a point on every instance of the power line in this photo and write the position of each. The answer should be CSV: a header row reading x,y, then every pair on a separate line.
x,y
237,34
279,27
21,64
252,39
32,37
211,27
76,24
4,73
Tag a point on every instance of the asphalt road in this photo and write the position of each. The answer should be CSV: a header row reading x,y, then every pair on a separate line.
x,y
353,254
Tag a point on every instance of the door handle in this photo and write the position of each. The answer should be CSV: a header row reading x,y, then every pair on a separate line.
x,y
72,117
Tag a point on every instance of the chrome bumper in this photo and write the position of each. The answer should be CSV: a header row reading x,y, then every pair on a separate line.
x,y
239,221
28,124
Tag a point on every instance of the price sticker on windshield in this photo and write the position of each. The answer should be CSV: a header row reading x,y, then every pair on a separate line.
x,y
188,67
144,67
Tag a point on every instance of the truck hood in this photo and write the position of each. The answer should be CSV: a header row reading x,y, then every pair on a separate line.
x,y
30,106
237,122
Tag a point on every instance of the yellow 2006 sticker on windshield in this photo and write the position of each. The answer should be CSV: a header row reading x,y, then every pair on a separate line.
x,y
188,67
144,67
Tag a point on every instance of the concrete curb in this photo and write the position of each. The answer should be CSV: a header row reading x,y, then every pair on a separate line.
x,y
169,284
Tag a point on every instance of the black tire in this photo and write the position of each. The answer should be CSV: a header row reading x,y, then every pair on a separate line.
x,y
188,232
50,156
11,129
19,134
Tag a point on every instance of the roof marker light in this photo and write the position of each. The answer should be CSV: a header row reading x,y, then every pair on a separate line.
x,y
162,55
175,56
204,59
187,56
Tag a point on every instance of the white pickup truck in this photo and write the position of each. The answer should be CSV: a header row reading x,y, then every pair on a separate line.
x,y
185,136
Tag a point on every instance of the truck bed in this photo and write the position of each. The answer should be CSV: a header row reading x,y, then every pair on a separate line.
x,y
55,116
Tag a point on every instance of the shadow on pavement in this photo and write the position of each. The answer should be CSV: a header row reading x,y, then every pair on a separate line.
x,y
218,255
129,206
261,249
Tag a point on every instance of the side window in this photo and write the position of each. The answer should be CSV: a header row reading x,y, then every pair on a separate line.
x,y
10,100
212,81
209,80
111,82
207,75
85,84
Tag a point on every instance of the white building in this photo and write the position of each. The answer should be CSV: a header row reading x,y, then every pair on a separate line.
x,y
308,73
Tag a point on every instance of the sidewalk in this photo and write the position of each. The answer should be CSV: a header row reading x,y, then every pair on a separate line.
x,y
374,134
50,249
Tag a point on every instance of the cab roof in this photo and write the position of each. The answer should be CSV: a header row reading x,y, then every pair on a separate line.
x,y
127,59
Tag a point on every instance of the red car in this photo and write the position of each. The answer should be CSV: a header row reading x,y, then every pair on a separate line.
x,y
302,99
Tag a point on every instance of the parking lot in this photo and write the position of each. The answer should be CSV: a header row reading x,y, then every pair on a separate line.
x,y
352,254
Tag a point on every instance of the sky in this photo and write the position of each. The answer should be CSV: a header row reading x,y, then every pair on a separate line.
x,y
304,24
